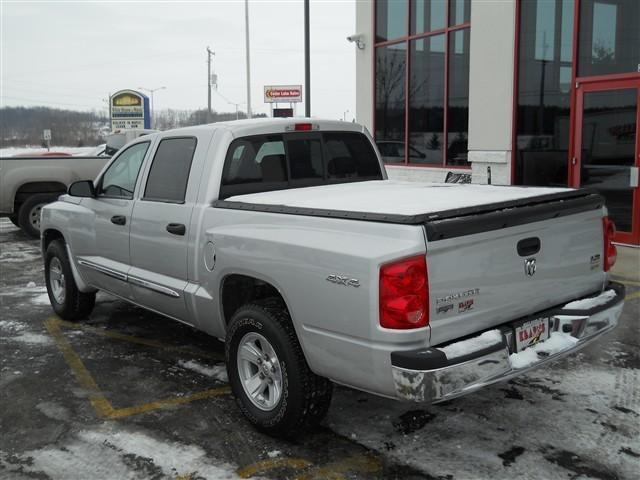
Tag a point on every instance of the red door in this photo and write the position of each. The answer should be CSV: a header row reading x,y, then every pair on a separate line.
x,y
606,150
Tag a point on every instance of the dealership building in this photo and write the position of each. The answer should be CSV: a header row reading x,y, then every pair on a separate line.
x,y
522,92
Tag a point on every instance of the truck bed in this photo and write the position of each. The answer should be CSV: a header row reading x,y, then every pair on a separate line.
x,y
446,210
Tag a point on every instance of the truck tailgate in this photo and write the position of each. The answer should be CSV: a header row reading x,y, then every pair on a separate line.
x,y
483,279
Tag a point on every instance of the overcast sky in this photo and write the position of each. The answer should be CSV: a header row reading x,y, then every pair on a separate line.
x,y
73,54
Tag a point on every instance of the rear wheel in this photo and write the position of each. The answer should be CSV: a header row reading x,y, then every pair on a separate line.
x,y
67,301
29,213
269,376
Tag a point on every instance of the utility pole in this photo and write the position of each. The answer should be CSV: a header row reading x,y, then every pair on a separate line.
x,y
307,64
246,23
209,113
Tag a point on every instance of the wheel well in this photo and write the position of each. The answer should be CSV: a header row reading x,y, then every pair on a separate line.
x,y
28,189
238,290
49,236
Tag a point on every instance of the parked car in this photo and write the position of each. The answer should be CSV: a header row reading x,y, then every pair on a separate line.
x,y
27,183
285,239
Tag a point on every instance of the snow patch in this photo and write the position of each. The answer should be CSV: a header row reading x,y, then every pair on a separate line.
x,y
588,303
219,372
33,338
11,325
274,453
556,343
31,284
465,347
42,299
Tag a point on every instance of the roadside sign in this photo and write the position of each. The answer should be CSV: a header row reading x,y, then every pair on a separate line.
x,y
129,109
283,93
282,112
46,134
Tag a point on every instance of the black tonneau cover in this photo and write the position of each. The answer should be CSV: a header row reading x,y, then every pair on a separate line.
x,y
456,222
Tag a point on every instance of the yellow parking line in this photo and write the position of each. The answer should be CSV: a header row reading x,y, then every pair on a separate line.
x,y
631,296
100,404
269,464
136,340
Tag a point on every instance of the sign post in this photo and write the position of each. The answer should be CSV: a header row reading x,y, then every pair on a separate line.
x,y
46,135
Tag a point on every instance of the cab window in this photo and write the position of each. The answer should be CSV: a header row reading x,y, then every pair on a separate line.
x,y
119,180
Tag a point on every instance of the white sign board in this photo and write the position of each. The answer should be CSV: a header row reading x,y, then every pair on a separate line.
x,y
46,134
129,109
283,93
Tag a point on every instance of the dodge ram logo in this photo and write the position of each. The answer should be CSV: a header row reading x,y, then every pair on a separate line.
x,y
530,267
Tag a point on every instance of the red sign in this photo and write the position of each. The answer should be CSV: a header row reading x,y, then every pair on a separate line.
x,y
283,93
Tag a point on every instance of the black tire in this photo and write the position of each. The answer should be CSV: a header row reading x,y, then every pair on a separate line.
x,y
29,213
305,397
14,220
75,304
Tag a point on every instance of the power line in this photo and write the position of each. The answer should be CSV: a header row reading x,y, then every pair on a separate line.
x,y
44,103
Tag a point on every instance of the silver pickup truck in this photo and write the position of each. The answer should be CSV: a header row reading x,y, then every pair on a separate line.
x,y
285,239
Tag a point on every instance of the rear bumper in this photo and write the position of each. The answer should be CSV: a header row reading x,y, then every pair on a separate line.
x,y
427,375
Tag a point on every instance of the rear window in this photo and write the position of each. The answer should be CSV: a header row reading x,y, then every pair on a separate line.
x,y
276,162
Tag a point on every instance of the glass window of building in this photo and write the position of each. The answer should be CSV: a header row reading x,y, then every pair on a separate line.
x,y
544,91
391,19
459,12
428,15
609,37
390,93
415,105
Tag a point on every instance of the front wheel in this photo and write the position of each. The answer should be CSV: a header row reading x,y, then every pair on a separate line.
x,y
67,301
269,376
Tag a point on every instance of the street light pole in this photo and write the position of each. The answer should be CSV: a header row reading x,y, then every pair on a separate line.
x,y
151,91
307,63
246,23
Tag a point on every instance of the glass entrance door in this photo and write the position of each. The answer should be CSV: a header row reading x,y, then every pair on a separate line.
x,y
607,150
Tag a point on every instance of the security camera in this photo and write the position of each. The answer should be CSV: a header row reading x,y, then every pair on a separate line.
x,y
358,39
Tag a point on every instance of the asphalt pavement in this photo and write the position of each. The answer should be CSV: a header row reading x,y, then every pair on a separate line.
x,y
128,394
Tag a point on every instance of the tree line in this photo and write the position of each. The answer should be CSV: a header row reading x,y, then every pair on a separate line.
x,y
23,126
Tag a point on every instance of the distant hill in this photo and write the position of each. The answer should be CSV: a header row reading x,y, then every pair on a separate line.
x,y
24,125
20,126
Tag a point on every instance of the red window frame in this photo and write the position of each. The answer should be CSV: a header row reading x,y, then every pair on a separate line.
x,y
407,39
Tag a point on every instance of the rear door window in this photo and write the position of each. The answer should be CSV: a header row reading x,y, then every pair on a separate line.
x,y
169,173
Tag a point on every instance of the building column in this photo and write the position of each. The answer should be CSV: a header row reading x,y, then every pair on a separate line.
x,y
491,98
364,64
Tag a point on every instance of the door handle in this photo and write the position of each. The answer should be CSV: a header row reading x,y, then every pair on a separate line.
x,y
119,219
176,228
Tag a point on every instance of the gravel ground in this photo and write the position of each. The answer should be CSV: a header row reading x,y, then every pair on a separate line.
x,y
131,395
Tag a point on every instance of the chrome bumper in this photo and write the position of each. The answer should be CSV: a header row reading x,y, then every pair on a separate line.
x,y
426,375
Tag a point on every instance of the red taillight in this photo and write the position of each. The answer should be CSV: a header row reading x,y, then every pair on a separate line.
x,y
303,127
610,250
404,294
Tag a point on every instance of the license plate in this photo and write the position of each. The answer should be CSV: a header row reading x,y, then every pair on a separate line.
x,y
531,332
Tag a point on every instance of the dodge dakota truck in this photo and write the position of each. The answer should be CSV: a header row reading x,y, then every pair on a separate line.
x,y
285,239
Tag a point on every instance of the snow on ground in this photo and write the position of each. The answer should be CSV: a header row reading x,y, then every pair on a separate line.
x,y
502,433
114,454
587,303
218,372
38,150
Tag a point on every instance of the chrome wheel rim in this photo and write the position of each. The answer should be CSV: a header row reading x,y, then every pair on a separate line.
x,y
34,215
56,280
259,370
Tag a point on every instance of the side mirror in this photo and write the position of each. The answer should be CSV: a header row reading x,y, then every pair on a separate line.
x,y
83,188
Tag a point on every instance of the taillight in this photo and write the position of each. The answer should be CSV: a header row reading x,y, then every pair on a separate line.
x,y
404,294
610,250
